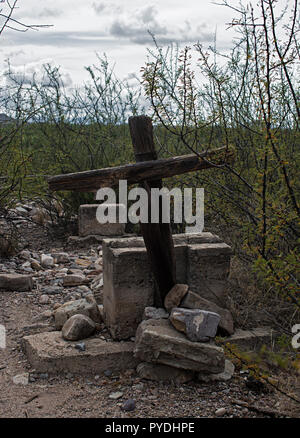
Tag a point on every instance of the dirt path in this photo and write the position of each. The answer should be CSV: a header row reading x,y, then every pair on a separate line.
x,y
88,396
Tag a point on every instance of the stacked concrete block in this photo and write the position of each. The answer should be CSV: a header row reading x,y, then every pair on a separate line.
x,y
208,270
128,289
202,262
88,224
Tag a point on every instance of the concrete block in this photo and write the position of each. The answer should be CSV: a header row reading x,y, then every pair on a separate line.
x,y
253,339
164,373
16,282
128,283
158,342
127,289
49,353
89,225
208,270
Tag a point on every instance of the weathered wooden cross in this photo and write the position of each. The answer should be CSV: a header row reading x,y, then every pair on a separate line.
x,y
148,171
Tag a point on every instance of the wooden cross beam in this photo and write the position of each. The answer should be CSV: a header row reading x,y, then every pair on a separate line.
x,y
92,180
148,171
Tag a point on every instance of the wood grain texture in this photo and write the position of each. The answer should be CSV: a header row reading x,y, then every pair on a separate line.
x,y
92,180
157,237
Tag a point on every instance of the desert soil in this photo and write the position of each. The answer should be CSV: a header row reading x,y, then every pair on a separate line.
x,y
88,396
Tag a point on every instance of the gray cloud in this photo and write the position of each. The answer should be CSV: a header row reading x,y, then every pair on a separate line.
x,y
99,7
123,30
53,38
47,12
36,73
107,8
138,29
14,53
148,14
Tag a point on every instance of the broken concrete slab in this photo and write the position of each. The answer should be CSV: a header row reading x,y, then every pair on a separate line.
x,y
75,280
220,377
155,313
163,373
175,296
198,325
88,223
83,242
251,340
85,306
90,240
158,342
49,353
195,301
179,239
16,282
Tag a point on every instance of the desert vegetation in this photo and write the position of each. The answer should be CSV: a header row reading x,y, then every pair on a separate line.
x,y
198,100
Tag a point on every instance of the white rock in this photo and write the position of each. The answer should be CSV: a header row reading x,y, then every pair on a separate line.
x,y
35,265
21,379
74,280
97,283
155,313
44,299
220,412
63,270
21,210
25,255
61,257
47,261
116,395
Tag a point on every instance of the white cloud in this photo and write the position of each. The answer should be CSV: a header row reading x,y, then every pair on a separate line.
x,y
116,27
35,72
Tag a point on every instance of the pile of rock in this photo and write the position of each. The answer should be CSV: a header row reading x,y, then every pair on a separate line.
x,y
78,319
202,262
32,212
179,345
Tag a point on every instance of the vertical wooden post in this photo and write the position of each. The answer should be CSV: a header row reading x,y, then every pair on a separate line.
x,y
157,237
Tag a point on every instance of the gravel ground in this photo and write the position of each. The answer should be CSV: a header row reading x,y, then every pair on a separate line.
x,y
69,395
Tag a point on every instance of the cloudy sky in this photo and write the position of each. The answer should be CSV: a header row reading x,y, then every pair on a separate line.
x,y
118,28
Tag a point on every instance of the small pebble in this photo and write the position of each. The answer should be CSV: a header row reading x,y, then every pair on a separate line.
x,y
220,412
115,395
129,405
80,346
44,299
21,379
43,376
